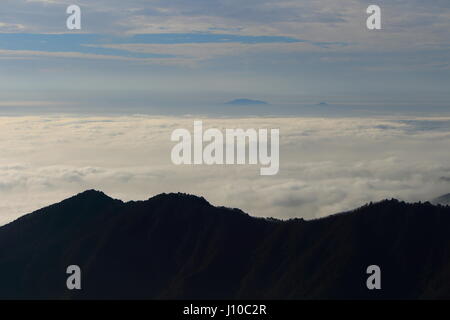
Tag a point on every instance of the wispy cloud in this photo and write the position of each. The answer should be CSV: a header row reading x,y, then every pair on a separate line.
x,y
11,27
32,103
161,47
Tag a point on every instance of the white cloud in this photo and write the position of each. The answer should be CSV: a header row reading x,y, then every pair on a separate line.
x,y
327,165
11,27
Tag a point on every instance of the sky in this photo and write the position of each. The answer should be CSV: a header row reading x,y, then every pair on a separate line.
x,y
191,53
363,114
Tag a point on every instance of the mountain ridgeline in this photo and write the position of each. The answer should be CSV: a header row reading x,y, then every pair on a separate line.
x,y
178,246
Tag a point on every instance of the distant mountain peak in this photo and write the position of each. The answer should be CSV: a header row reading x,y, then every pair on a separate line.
x,y
91,194
245,101
443,200
86,201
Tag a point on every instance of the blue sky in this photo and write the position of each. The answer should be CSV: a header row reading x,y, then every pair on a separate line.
x,y
147,55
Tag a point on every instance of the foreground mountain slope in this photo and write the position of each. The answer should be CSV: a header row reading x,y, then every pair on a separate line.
x,y
176,246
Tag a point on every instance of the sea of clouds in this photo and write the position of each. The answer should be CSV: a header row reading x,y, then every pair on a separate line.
x,y
327,165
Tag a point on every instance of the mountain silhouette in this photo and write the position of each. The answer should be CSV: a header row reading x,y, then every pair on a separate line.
x,y
444,199
178,246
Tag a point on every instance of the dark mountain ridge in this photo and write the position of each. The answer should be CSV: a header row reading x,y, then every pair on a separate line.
x,y
178,246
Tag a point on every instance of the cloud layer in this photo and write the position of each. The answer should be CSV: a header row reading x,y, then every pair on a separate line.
x,y
327,165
